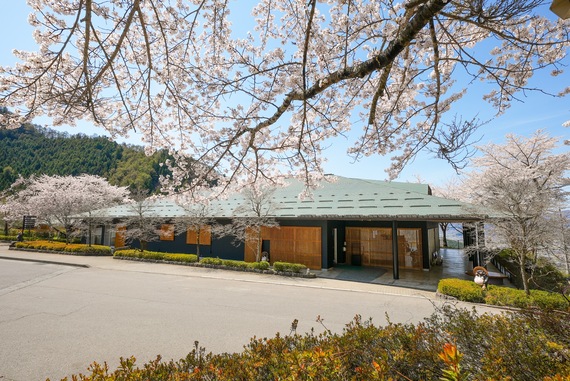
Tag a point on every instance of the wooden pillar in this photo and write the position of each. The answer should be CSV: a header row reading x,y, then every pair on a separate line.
x,y
395,264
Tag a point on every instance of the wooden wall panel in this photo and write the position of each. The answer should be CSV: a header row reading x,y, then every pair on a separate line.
x,y
294,244
120,236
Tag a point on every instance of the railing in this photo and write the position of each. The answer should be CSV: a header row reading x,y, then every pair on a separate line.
x,y
502,269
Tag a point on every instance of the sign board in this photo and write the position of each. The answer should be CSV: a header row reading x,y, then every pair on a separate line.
x,y
29,222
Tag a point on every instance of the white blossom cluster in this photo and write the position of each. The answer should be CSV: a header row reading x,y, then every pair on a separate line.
x,y
59,200
263,97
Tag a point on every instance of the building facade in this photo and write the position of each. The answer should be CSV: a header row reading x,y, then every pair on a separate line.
x,y
346,221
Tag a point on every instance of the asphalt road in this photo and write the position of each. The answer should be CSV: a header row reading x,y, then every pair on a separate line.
x,y
55,320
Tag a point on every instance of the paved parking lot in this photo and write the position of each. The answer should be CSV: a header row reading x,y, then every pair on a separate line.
x,y
55,319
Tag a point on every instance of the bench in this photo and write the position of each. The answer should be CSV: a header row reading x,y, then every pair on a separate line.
x,y
494,277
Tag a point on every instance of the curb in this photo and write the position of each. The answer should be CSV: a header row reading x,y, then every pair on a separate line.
x,y
45,261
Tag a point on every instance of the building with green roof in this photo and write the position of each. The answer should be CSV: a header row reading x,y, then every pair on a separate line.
x,y
345,221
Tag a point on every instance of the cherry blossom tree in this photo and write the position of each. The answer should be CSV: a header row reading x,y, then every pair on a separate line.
x,y
142,223
59,200
451,190
522,180
265,95
198,218
255,212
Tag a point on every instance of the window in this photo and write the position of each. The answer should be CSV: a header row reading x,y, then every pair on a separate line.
x,y
200,235
167,232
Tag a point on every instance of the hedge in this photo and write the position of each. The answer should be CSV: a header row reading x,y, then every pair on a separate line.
x,y
288,267
157,256
452,344
70,248
235,264
191,258
468,291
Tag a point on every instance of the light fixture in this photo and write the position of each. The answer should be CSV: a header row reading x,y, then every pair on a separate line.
x,y
561,8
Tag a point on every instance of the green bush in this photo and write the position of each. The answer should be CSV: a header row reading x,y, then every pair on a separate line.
x,y
8,237
521,346
549,300
235,264
211,261
504,296
157,256
288,267
468,291
73,248
263,265
463,290
186,258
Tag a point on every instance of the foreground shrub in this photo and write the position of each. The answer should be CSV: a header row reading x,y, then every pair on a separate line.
x,y
452,344
288,267
72,248
468,291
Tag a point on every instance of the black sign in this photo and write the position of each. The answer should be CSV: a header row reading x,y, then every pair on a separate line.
x,y
29,222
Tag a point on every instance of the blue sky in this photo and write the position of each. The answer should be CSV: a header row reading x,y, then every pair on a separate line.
x,y
538,111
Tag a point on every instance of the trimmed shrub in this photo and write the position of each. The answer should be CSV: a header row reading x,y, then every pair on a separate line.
x,y
510,297
8,237
185,258
235,264
468,291
72,248
288,267
463,290
211,261
157,256
549,300
263,265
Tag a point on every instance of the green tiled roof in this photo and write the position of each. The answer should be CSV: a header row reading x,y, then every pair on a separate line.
x,y
345,198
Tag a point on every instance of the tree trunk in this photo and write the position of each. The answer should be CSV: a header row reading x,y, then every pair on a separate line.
x,y
90,234
5,228
524,275
444,231
198,243
258,246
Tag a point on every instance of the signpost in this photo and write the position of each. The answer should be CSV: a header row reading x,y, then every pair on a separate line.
x,y
28,223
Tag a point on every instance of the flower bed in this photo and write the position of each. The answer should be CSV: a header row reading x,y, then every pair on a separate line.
x,y
64,248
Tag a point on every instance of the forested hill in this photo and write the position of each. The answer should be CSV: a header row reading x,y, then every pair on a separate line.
x,y
32,149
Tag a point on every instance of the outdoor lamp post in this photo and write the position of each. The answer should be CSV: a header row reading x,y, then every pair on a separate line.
x,y
561,8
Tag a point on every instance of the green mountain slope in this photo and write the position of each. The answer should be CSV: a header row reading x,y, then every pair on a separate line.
x,y
34,150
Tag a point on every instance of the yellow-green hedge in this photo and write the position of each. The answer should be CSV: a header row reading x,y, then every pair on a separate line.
x,y
468,291
71,248
234,264
158,256
289,267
